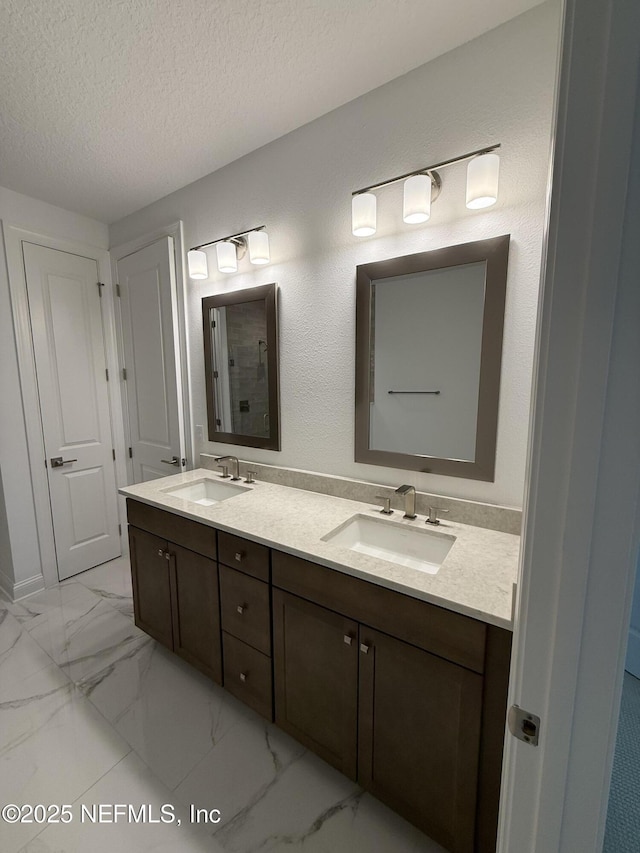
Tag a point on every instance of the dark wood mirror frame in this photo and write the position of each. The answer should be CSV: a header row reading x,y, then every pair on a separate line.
x,y
494,252
267,293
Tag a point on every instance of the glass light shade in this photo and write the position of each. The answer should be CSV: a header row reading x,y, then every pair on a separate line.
x,y
363,215
417,199
259,247
482,181
197,263
227,256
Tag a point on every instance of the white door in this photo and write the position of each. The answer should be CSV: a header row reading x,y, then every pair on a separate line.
x,y
69,349
147,297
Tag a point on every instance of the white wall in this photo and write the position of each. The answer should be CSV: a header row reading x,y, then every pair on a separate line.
x,y
20,558
497,88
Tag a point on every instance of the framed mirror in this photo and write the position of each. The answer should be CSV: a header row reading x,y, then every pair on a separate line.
x,y
241,367
428,354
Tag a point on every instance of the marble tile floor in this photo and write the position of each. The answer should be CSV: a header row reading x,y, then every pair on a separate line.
x,y
92,711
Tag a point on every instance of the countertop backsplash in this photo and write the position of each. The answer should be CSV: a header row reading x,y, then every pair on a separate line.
x,y
502,519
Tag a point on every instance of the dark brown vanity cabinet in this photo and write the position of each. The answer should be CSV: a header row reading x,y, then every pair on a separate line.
x,y
405,697
413,708
175,588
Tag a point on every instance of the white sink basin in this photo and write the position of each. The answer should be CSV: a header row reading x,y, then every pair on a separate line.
x,y
206,491
396,542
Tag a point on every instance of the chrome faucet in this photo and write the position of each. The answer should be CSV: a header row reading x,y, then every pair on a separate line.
x,y
409,493
235,471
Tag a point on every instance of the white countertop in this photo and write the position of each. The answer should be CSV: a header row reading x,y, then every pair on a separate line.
x,y
476,577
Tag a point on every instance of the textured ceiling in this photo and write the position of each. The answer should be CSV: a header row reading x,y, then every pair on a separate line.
x,y
108,105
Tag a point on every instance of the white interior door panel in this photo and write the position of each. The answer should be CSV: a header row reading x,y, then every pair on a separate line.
x,y
147,291
69,350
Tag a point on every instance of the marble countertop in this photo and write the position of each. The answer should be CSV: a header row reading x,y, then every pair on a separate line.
x,y
476,577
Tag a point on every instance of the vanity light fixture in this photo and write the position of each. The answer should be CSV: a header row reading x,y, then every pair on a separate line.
x,y
422,187
229,250
227,255
363,214
197,262
259,247
482,181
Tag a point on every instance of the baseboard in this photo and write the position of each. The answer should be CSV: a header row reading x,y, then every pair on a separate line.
x,y
632,662
22,589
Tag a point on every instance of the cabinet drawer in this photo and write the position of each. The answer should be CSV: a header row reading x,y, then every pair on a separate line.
x,y
450,635
245,608
244,555
190,534
247,675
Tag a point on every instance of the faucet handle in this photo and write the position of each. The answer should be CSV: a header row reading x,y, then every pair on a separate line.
x,y
250,478
225,471
386,504
432,518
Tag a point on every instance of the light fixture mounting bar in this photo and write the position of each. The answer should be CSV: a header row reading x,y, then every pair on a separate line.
x,y
228,239
427,169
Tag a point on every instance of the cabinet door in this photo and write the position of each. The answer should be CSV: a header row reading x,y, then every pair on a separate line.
x,y
196,610
316,678
151,585
419,737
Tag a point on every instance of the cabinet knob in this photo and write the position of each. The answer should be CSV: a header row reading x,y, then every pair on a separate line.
x,y
241,608
243,676
167,555
364,648
348,640
239,556
160,552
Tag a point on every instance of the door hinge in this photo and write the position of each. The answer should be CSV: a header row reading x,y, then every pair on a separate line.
x,y
131,453
524,725
120,529
118,290
213,324
107,373
100,286
113,453
124,373
218,422
215,374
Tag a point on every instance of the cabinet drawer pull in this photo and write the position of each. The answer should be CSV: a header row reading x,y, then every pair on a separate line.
x,y
348,640
241,608
243,676
239,556
364,648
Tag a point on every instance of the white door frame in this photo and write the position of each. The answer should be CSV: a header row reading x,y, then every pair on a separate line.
x,y
581,513
14,235
180,328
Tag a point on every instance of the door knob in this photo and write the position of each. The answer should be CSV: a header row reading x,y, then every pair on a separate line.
x,y
58,461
